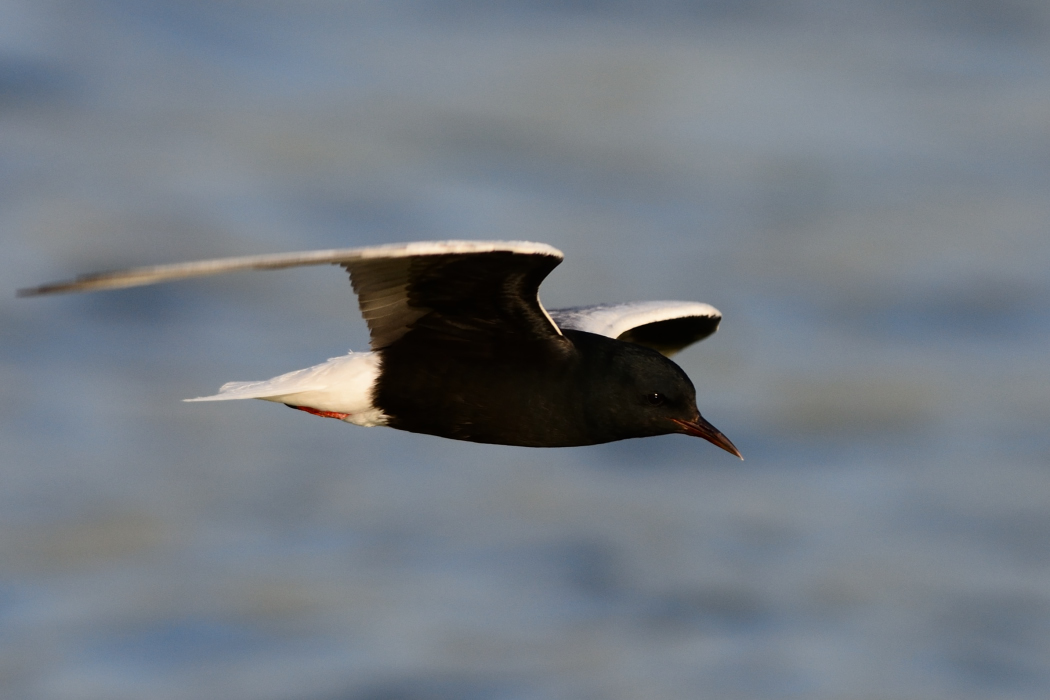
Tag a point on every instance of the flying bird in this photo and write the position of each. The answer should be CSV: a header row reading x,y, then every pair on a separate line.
x,y
462,348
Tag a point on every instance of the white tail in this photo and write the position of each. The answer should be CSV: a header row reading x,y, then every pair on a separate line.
x,y
342,385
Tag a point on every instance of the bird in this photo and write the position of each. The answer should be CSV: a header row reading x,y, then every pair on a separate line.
x,y
462,348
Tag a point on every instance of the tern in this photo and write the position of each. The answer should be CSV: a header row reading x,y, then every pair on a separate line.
x,y
462,348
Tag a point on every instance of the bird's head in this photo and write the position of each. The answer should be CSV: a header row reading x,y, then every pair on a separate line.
x,y
655,397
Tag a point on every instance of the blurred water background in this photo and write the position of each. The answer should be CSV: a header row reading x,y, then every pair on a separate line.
x,y
860,187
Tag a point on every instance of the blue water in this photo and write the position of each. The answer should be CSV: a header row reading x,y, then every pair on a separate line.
x,y
860,187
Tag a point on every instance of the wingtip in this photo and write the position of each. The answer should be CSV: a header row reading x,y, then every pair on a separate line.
x,y
83,283
43,289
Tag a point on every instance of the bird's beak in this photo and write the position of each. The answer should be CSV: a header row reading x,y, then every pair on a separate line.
x,y
701,428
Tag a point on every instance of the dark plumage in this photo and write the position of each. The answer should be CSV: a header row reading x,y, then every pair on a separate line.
x,y
580,389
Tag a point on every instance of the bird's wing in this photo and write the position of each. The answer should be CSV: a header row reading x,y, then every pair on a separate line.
x,y
465,293
464,287
664,326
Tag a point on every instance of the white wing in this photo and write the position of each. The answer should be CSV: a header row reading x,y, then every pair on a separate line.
x,y
138,276
664,326
385,278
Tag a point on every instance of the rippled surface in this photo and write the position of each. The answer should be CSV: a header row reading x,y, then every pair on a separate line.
x,y
861,188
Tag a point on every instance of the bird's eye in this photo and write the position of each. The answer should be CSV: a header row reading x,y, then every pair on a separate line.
x,y
655,399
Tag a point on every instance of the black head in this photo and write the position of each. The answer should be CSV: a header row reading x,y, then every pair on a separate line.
x,y
643,394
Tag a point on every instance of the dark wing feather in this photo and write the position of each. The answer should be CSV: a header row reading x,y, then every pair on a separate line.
x,y
472,298
458,291
664,326
670,336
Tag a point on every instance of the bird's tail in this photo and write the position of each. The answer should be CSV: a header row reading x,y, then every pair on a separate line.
x,y
340,384
292,383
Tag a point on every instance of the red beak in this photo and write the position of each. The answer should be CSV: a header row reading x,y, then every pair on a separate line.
x,y
701,428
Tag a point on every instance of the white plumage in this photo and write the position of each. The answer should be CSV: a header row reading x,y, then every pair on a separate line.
x,y
341,385
613,320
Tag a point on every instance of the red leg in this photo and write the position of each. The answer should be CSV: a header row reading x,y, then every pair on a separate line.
x,y
323,414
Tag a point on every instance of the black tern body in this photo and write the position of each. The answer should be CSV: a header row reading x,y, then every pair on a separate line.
x,y
462,348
